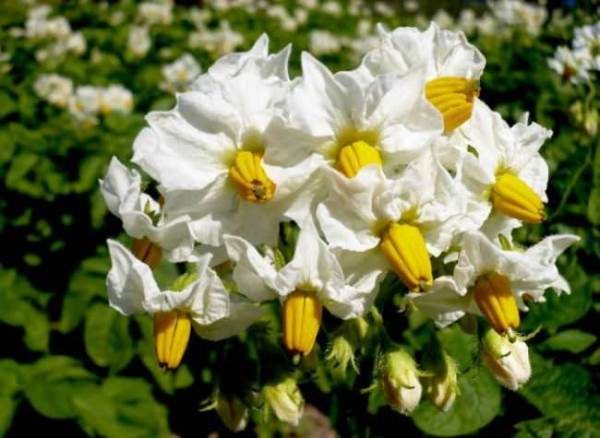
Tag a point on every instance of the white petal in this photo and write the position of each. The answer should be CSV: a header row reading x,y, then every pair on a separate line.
x,y
129,281
242,315
252,273
442,303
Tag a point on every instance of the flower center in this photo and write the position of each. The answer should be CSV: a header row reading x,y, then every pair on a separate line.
x,y
355,156
171,335
301,321
453,97
249,178
404,247
493,295
513,197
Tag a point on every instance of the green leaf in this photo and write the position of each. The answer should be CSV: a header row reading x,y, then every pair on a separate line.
x,y
121,407
564,392
463,347
11,380
538,428
8,406
20,306
477,405
574,341
52,382
107,339
86,284
7,105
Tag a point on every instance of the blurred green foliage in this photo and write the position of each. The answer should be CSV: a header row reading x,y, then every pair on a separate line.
x,y
73,365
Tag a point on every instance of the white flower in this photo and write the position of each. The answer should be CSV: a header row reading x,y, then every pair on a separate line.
x,y
500,150
358,209
467,21
314,268
587,45
332,7
331,112
151,13
442,52
220,41
528,16
211,146
322,42
116,98
180,73
214,313
85,103
570,65
142,216
138,41
443,19
54,88
529,274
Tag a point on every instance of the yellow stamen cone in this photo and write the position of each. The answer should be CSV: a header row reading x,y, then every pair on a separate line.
x,y
249,178
147,252
171,336
301,321
404,247
355,156
513,197
453,97
494,298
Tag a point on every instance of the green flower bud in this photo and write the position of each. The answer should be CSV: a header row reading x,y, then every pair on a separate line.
x,y
507,360
232,411
285,399
399,378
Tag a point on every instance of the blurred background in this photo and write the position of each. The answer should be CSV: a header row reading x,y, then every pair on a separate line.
x,y
77,78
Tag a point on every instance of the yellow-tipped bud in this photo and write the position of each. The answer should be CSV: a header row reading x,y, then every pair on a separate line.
x,y
494,298
355,156
404,247
301,320
513,197
171,336
453,97
147,252
249,178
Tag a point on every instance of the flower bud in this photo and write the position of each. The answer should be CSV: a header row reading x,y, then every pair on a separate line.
x,y
146,251
507,361
347,339
404,247
442,386
355,156
301,321
232,411
513,197
494,297
250,179
453,97
400,381
286,401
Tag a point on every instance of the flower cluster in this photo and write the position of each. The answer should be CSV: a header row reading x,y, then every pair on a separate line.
x,y
579,63
84,102
54,32
396,169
